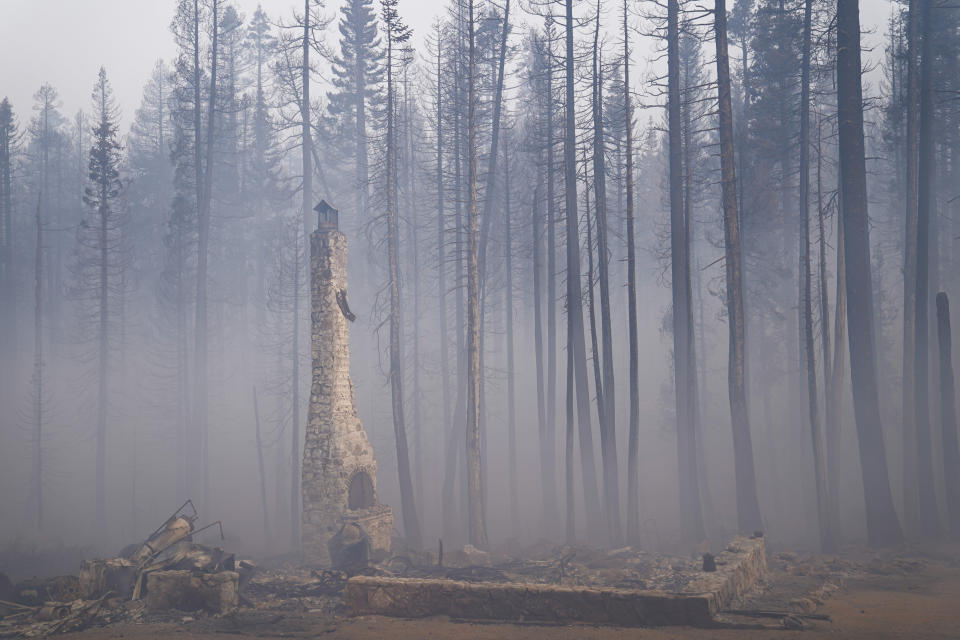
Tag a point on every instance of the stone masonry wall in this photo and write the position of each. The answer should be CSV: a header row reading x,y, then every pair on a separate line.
x,y
739,567
336,446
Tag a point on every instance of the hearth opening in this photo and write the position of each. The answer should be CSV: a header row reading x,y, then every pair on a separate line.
x,y
361,491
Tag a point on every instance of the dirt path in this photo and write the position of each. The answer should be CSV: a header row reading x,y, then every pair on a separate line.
x,y
924,605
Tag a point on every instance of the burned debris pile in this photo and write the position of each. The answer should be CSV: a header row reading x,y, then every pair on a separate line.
x,y
169,577
167,571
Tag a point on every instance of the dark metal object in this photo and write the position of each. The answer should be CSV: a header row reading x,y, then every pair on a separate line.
x,y
327,216
344,307
709,562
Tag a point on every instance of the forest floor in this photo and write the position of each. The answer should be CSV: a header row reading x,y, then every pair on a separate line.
x,y
858,594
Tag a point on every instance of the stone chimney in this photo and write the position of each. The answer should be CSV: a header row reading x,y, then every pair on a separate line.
x,y
339,476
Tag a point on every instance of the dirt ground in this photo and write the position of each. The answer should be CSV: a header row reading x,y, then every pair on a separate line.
x,y
920,602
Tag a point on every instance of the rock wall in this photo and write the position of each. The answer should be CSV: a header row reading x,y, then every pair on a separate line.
x,y
336,447
739,567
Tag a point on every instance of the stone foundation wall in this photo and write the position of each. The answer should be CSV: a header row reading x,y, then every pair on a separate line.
x,y
415,598
738,569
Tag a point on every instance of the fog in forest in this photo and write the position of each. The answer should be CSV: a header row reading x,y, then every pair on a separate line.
x,y
641,313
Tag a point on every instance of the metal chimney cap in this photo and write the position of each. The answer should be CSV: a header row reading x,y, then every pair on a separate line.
x,y
327,216
325,208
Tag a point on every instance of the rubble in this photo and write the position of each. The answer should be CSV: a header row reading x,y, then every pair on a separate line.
x,y
167,571
63,617
187,590
36,591
210,589
116,575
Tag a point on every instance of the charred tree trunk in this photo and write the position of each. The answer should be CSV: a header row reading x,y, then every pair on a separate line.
x,y
547,450
103,351
551,286
203,244
591,299
911,492
691,515
948,416
832,367
494,145
448,430
568,454
883,528
306,155
451,485
477,527
8,317
511,387
295,398
411,523
263,475
38,389
827,540
362,162
748,507
414,251
192,449
575,334
925,209
633,454
608,431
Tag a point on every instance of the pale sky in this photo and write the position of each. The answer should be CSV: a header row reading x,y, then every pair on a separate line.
x,y
64,42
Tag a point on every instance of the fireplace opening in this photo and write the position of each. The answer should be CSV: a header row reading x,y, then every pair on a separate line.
x,y
361,491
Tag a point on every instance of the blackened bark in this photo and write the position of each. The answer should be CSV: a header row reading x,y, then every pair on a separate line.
x,y
633,454
576,340
263,476
511,386
608,431
306,138
458,419
748,507
827,540
547,450
830,364
925,209
193,441
411,523
591,300
38,418
571,527
883,528
494,145
448,429
948,416
306,203
691,515
203,245
295,460
476,516
911,492
553,507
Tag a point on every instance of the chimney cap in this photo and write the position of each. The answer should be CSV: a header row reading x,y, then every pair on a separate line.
x,y
325,208
327,216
